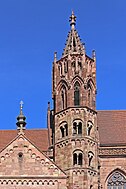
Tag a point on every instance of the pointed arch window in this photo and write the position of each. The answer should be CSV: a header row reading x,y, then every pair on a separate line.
x,y
63,98
77,94
90,93
116,181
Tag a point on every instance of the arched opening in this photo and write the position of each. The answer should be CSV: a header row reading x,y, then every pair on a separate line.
x,y
116,181
80,128
89,128
66,66
90,157
80,159
63,98
62,131
74,159
76,94
66,129
77,158
74,128
90,93
77,127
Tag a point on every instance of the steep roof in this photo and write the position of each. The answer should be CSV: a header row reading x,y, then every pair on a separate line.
x,y
39,137
73,42
112,127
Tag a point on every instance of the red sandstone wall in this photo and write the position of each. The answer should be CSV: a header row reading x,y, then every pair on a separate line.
x,y
108,165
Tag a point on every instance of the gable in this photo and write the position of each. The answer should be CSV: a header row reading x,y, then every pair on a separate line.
x,y
41,141
22,158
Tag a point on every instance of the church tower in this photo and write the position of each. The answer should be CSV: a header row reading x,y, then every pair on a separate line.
x,y
75,117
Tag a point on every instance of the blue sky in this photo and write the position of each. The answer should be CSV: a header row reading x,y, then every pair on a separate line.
x,y
30,32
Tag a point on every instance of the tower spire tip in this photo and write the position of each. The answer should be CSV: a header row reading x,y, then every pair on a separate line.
x,y
72,20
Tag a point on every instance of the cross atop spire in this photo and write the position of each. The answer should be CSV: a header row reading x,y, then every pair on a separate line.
x,y
72,20
21,118
21,107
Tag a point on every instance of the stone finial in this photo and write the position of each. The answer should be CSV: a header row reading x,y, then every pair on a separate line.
x,y
21,107
48,105
94,55
72,20
21,118
55,56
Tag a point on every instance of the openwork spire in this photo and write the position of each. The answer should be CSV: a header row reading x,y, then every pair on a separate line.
x,y
73,42
21,118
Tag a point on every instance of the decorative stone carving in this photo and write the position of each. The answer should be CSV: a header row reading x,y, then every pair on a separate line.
x,y
112,151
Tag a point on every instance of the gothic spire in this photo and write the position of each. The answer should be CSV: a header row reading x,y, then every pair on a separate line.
x,y
21,119
73,42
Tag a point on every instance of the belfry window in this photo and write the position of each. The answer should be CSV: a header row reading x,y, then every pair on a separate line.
x,y
76,94
63,130
74,128
66,129
116,181
80,159
77,127
90,157
89,127
80,128
77,158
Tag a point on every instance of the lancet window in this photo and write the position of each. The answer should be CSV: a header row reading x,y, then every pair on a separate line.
x,y
63,98
77,94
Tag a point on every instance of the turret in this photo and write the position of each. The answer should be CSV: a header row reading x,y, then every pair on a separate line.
x,y
75,116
